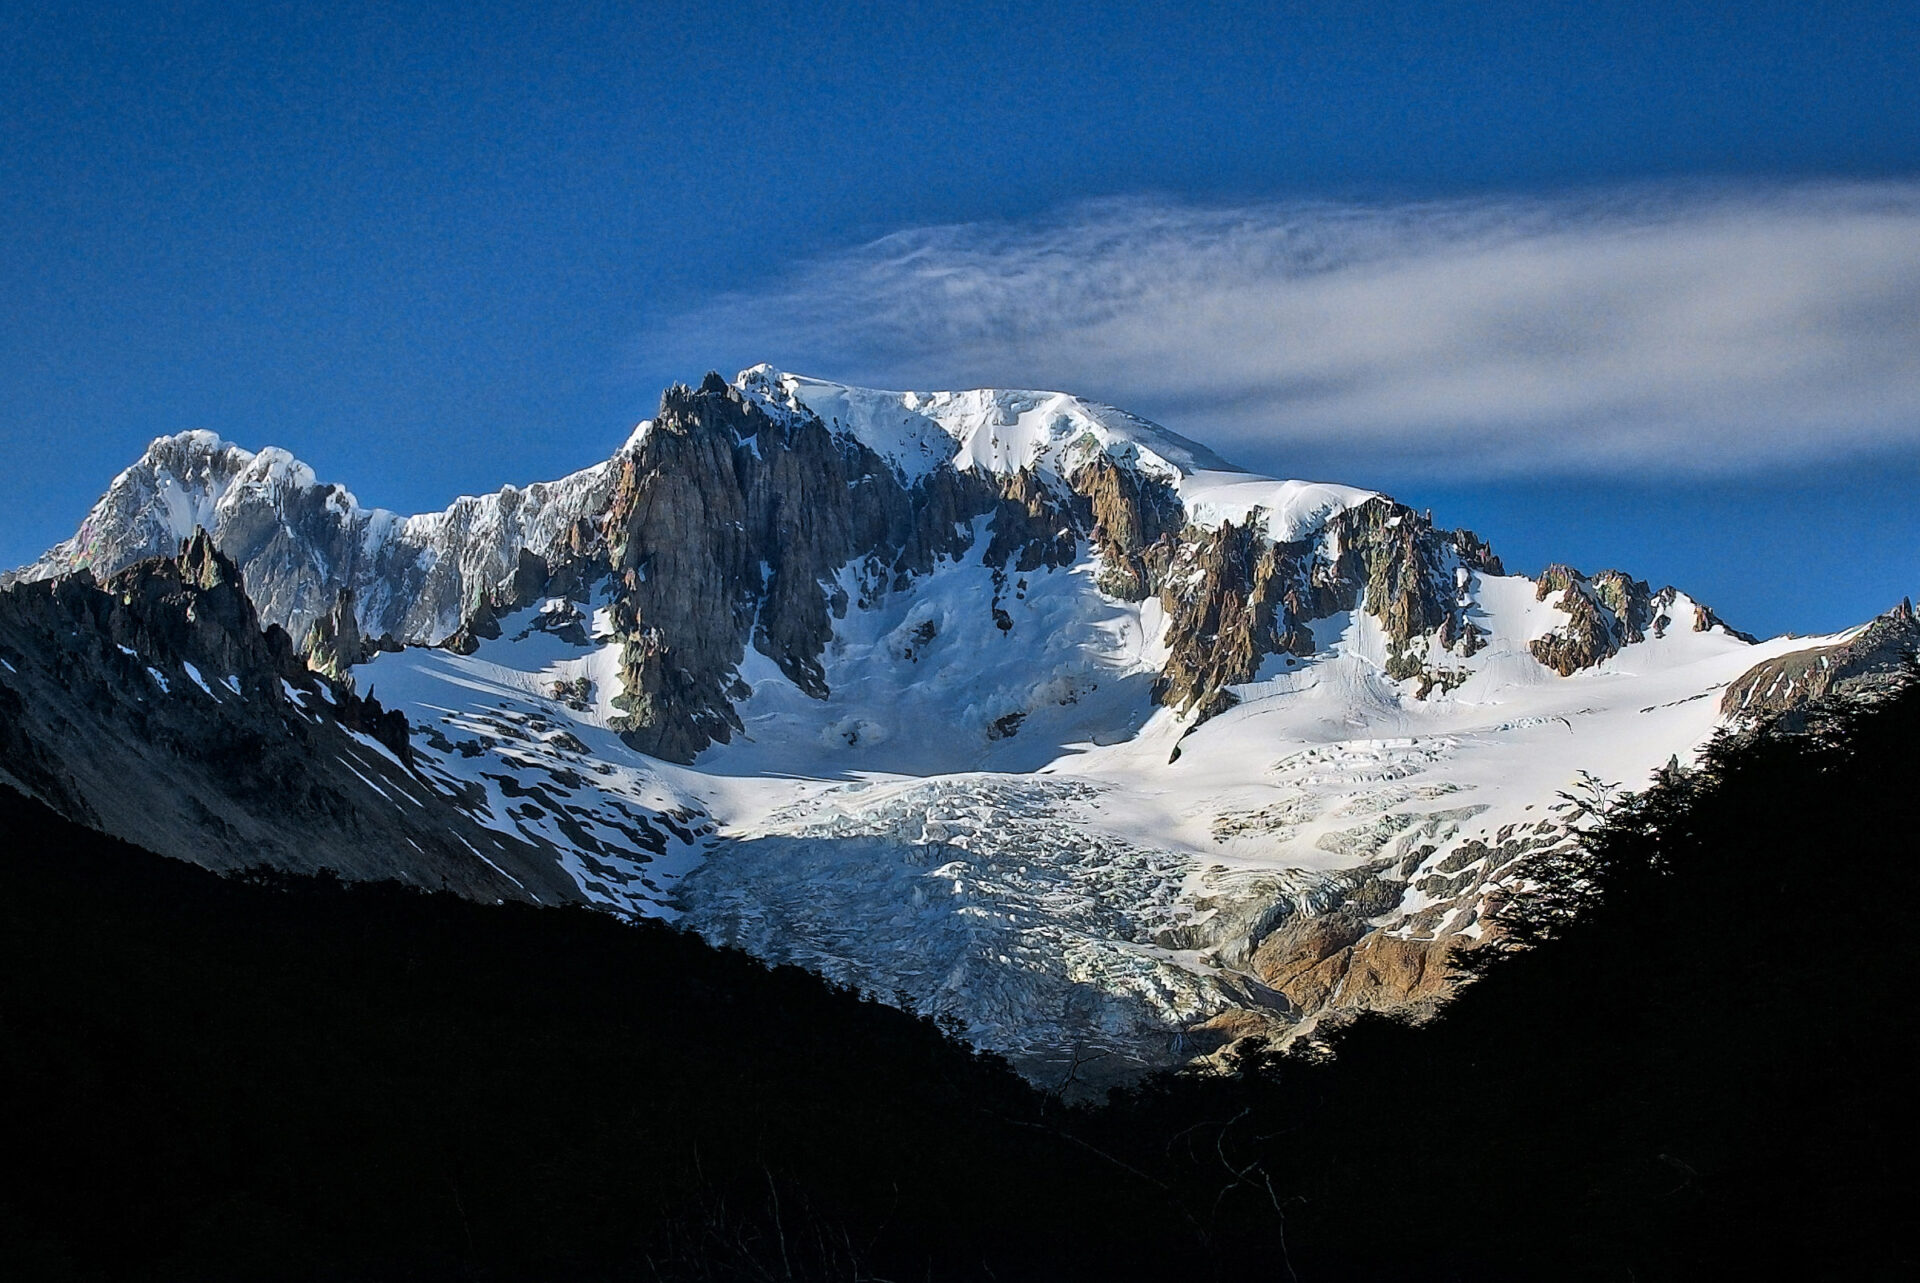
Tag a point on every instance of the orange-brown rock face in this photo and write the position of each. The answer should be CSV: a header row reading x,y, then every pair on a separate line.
x,y
1135,519
1866,665
1337,963
1229,615
1604,613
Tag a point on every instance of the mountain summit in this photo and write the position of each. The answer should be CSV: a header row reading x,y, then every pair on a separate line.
x,y
1012,705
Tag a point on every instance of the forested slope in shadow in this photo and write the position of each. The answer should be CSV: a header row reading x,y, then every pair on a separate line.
x,y
1703,1066
1694,1058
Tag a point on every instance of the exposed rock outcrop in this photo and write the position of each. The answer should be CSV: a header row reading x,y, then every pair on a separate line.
x,y
301,542
156,708
682,555
1229,611
1865,666
334,643
1234,596
1408,575
1135,518
729,526
1604,613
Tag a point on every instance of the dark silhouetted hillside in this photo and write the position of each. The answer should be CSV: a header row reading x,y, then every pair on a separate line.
x,y
1701,1069
1704,1069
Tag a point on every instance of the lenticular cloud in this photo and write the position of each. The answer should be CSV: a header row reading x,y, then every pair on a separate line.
x,y
1710,331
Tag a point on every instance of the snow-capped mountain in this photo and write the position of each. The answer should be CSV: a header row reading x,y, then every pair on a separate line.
x,y
1001,703
302,543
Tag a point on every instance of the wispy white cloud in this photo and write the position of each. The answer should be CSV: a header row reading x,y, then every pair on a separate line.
x,y
1699,330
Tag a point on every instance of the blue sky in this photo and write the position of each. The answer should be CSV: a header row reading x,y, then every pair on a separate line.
x,y
1614,284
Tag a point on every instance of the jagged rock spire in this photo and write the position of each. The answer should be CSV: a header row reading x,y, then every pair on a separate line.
x,y
205,566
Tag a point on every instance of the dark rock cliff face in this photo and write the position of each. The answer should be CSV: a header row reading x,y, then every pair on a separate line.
x,y
334,643
687,572
730,527
155,707
1034,525
1869,665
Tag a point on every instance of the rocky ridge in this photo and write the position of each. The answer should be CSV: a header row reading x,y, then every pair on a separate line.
x,y
301,543
775,565
1236,597
154,706
1866,664
737,517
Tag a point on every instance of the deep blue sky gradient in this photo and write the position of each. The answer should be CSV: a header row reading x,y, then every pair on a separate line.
x,y
415,243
